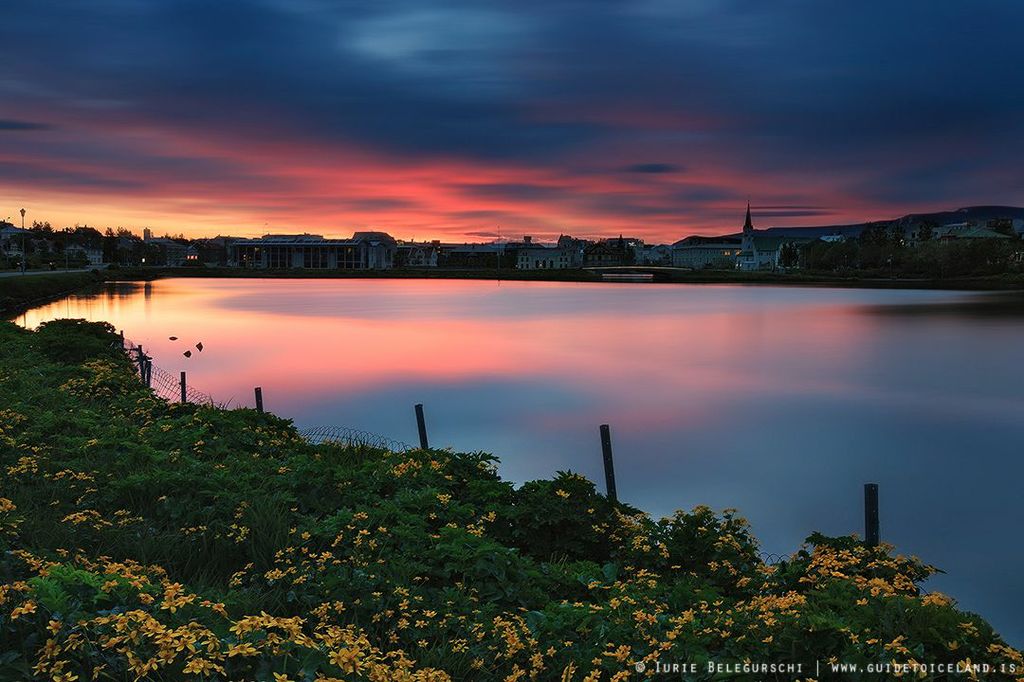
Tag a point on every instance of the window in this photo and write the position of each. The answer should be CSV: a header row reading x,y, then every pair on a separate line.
x,y
278,256
314,257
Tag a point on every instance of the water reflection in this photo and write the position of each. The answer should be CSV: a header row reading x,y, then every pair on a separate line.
x,y
779,401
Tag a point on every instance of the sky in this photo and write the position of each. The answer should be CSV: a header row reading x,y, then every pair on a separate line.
x,y
473,119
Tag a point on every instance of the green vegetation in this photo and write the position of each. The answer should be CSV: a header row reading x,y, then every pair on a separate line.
x,y
142,539
18,293
881,252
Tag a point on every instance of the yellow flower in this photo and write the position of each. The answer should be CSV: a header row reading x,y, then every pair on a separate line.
x,y
243,649
24,609
199,666
346,659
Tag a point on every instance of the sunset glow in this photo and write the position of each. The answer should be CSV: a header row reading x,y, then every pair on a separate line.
x,y
460,122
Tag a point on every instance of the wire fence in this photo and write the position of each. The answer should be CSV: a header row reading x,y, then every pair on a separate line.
x,y
161,382
332,434
169,387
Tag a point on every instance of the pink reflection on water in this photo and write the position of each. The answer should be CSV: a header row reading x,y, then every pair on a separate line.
x,y
666,360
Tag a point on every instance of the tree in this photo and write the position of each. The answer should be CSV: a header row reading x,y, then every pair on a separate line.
x,y
789,256
925,231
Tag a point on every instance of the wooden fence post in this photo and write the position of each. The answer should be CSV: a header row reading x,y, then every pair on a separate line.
x,y
259,399
421,425
871,535
184,395
149,373
609,465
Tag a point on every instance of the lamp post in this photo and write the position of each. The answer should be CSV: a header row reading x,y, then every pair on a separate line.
x,y
24,253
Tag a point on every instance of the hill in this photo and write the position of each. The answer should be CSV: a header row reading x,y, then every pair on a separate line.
x,y
977,214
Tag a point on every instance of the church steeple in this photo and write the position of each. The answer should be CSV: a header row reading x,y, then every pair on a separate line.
x,y
748,231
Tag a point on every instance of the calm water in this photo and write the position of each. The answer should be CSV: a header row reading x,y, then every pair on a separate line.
x,y
779,401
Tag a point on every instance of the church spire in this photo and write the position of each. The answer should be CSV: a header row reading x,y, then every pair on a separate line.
x,y
748,224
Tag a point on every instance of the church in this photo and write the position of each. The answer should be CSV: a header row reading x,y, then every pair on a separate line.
x,y
761,252
747,251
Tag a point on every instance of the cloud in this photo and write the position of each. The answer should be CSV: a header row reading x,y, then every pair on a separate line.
x,y
10,124
656,168
790,213
653,115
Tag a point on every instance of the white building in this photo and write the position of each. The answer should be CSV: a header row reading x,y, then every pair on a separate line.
x,y
422,255
654,254
91,255
542,257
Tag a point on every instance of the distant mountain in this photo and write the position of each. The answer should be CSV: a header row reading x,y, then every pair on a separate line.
x,y
972,214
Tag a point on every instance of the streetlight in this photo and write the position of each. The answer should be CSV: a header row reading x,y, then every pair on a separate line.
x,y
24,253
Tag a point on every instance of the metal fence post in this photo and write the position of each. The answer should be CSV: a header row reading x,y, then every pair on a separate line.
x,y
609,465
421,425
184,395
871,535
259,399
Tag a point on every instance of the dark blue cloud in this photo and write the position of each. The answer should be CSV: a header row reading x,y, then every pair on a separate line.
x,y
900,102
653,168
9,124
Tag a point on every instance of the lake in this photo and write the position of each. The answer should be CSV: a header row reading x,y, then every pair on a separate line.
x,y
779,401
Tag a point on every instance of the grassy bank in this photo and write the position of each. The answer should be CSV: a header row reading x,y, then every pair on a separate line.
x,y
21,292
146,539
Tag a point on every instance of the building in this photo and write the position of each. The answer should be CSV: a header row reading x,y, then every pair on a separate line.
x,y
546,257
12,239
762,252
653,254
418,255
575,247
213,251
608,253
364,251
84,253
166,251
491,255
701,253
966,231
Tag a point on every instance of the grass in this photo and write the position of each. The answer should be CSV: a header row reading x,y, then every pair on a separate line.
x,y
144,539
21,292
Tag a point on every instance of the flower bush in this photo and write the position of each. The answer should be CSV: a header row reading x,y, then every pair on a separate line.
x,y
148,540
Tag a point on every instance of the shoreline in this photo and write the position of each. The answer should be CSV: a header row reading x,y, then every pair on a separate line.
x,y
21,293
664,275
